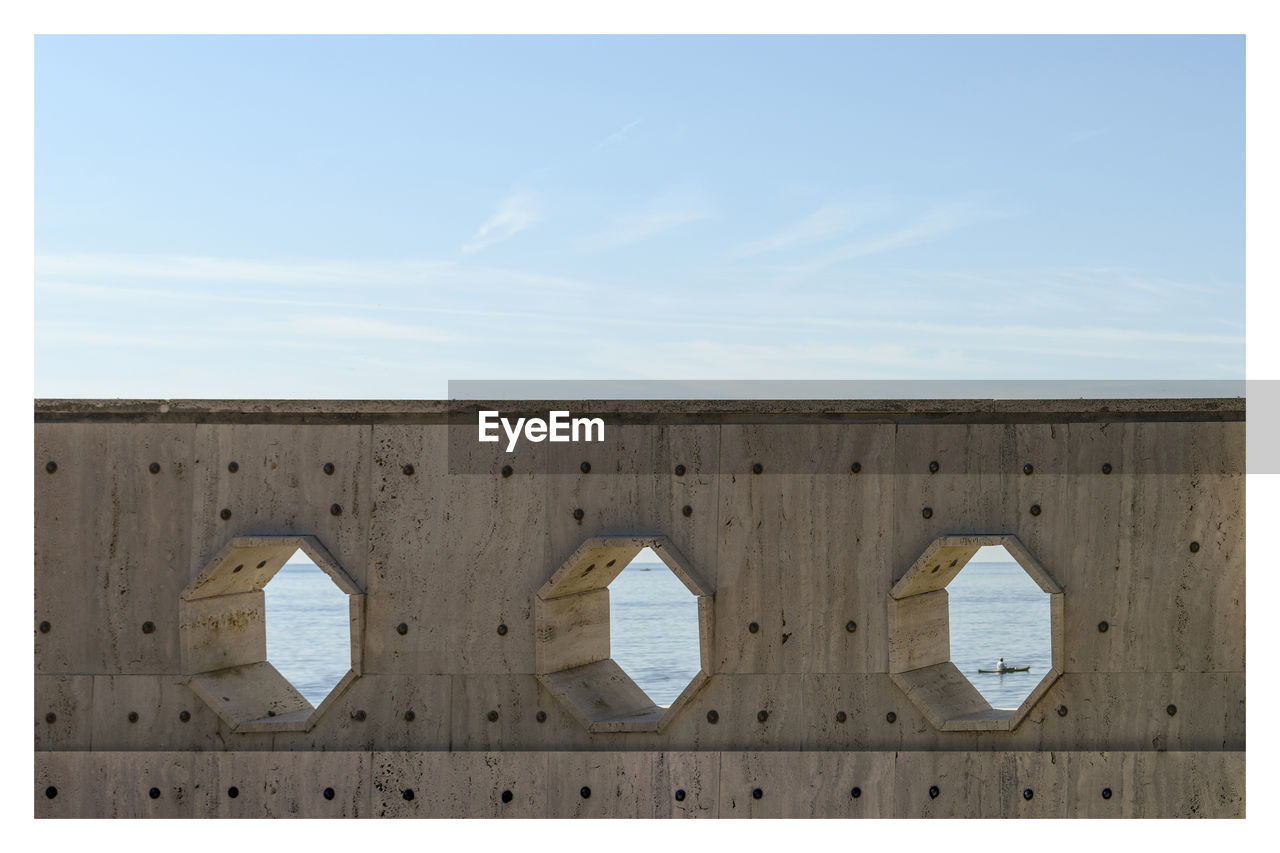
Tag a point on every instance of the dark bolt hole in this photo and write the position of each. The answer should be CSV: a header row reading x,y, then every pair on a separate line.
x,y
1195,547
408,716
1102,627
45,627
148,627
933,467
891,717
502,630
184,716
855,467
51,792
263,563
1106,793
763,716
578,514
402,629
1035,509
507,796
584,792
51,718
1106,467
1062,710
507,470
680,469
841,716
757,793
359,716
1027,469
233,467
270,713
1171,710
493,716
225,514
609,564
154,793
585,467
407,470
851,626
154,467
713,717
927,512
233,792
336,509
754,628
933,792
757,468
688,511
328,467
541,716
51,466
408,794
237,569
680,795
328,793
1027,793
133,716
856,792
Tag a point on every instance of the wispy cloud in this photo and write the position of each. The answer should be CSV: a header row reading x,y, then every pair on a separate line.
x,y
618,135
823,224
672,209
515,213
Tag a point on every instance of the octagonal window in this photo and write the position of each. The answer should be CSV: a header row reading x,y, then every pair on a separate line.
x,y
575,632
975,653
308,627
223,625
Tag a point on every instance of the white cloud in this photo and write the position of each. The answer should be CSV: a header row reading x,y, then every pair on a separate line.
x,y
670,210
619,134
824,223
515,213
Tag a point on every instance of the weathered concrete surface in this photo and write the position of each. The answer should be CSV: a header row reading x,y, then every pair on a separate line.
x,y
808,549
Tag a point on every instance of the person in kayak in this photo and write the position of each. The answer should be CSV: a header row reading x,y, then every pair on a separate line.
x,y
1000,665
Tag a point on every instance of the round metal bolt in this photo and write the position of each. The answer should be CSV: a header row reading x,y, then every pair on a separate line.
x,y
502,630
1106,467
680,470
584,792
1171,710
927,512
408,794
51,718
51,466
148,627
756,793
359,715
507,796
933,467
45,627
856,792
1103,626
1195,547
408,716
493,716
225,514
133,716
754,627
763,716
1027,469
934,792
1027,793
680,795
51,792
713,717
891,717
757,468
184,716
851,626
1062,710
328,468
328,793
154,793
1035,509
336,509
1106,793
841,716
541,716
585,467
688,511
407,470
402,629
578,514
856,467
154,467
233,792
507,470
233,467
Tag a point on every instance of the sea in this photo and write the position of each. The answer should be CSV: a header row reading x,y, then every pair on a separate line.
x,y
996,611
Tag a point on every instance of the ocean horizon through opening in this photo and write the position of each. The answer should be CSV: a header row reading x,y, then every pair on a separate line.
x,y
653,628
308,628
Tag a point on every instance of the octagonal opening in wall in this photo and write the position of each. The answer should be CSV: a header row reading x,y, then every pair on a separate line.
x,y
922,626
223,627
573,658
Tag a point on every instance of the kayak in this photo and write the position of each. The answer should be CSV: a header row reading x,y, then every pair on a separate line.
x,y
1007,669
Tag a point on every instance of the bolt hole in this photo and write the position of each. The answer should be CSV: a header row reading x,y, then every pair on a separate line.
x,y
1106,793
507,796
762,716
856,467
154,793
51,718
584,792
856,792
841,716
585,467
51,792
688,511
133,716
328,793
541,716
1106,467
1171,710
927,512
408,794
507,470
45,627
1027,793
184,716
263,563
233,467
237,569
1103,626
328,468
713,717
492,716
680,795
402,629
51,466
233,792
891,717
754,628
154,467
757,468
934,792
680,469
409,716
148,627
502,630
1195,547
757,793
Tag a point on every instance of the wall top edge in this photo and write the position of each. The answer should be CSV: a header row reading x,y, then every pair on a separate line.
x,y
640,411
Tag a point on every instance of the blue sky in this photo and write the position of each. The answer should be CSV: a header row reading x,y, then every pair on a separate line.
x,y
371,217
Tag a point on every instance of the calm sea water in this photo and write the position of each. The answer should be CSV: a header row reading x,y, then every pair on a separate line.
x,y
996,610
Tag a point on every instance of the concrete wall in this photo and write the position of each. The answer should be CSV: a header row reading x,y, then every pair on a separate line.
x,y
802,548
